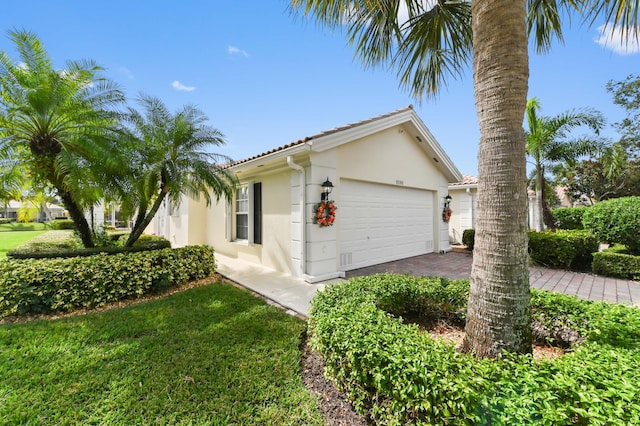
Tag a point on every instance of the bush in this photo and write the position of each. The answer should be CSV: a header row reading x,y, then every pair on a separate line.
x,y
563,249
569,217
468,238
397,374
49,285
60,224
616,221
619,265
4,220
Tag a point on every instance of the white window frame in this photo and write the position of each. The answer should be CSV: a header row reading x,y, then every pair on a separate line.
x,y
241,211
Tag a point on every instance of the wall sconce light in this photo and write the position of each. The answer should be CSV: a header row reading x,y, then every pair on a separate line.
x,y
446,211
327,187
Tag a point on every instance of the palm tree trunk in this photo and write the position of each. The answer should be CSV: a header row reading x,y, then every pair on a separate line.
x,y
140,225
498,315
78,218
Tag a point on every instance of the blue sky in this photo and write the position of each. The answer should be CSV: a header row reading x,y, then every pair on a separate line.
x,y
266,78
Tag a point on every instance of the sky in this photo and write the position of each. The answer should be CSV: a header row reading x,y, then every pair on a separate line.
x,y
265,77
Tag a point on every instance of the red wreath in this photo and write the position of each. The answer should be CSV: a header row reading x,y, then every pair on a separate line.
x,y
325,213
446,214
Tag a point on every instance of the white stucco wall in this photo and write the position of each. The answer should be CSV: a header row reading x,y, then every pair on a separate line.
x,y
464,207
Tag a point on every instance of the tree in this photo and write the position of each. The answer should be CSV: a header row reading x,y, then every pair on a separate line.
x,y
168,159
12,182
435,41
548,141
56,118
626,93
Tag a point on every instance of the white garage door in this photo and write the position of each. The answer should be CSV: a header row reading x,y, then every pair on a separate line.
x,y
380,223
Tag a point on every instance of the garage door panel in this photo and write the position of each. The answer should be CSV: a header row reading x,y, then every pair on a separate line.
x,y
379,223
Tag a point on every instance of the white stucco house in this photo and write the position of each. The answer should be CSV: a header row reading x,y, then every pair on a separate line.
x,y
390,178
464,204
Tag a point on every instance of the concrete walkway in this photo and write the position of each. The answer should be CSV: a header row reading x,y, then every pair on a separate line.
x,y
295,295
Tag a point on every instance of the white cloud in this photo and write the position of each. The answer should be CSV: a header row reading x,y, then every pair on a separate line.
x,y
181,87
235,51
126,71
613,40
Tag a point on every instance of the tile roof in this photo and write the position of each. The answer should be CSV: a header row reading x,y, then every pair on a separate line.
x,y
318,135
466,180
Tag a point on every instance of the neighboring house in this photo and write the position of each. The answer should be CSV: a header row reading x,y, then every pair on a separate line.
x,y
49,212
464,202
389,177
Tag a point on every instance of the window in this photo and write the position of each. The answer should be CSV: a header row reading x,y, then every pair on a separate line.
x,y
248,213
242,213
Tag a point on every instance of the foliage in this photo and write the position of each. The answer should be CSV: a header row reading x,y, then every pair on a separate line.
x,y
170,157
50,285
563,249
398,374
58,123
568,217
616,221
468,238
60,224
212,355
626,93
617,264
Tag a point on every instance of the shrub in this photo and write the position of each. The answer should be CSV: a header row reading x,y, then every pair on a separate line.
x,y
619,265
616,221
563,249
468,238
60,224
569,217
49,285
4,220
397,374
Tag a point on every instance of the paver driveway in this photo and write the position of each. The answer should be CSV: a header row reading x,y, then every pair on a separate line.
x,y
457,265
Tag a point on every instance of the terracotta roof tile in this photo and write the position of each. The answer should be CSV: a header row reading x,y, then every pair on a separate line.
x,y
466,180
318,135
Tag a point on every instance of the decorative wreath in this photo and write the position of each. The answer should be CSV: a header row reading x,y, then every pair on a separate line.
x,y
446,214
325,213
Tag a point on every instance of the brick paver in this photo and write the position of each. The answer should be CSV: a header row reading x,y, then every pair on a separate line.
x,y
456,265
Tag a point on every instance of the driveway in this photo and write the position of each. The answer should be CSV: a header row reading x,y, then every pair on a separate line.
x,y
456,265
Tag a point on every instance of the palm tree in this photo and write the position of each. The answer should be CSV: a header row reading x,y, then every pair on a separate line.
x,y
548,143
57,117
169,158
436,40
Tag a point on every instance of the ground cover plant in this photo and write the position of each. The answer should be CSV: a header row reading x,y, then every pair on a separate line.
x,y
9,240
210,355
396,373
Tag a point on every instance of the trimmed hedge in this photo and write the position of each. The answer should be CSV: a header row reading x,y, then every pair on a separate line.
x,y
572,250
619,265
569,217
60,224
468,238
48,285
397,374
616,221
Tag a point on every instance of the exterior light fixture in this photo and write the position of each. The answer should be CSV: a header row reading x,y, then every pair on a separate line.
x,y
446,210
327,187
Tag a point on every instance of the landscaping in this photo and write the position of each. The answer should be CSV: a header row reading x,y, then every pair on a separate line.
x,y
12,239
209,355
373,333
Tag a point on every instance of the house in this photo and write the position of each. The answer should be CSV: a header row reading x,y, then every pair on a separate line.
x,y
389,179
464,204
47,212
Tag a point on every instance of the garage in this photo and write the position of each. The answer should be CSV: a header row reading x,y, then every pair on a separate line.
x,y
380,223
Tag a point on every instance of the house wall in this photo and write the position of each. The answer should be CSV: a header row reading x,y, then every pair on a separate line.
x,y
464,206
276,251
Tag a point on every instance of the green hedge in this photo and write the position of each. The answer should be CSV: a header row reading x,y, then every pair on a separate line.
x,y
4,220
572,250
397,374
49,285
60,224
619,265
616,221
569,217
468,238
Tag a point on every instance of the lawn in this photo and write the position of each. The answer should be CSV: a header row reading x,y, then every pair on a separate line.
x,y
15,226
209,355
12,239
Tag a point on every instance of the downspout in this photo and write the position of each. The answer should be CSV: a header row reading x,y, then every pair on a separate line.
x,y
303,197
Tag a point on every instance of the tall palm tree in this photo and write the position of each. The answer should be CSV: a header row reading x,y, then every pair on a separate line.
x,y
548,142
169,158
55,117
435,41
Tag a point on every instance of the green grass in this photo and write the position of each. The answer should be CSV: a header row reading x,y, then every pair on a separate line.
x,y
12,239
15,226
213,355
